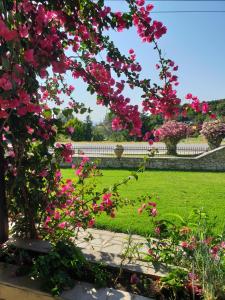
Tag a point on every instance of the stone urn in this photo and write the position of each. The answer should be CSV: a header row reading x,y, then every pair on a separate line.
x,y
118,150
171,148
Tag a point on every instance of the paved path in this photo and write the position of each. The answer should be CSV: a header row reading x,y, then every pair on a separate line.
x,y
110,242
107,247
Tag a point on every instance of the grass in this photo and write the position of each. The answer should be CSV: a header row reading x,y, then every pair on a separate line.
x,y
179,192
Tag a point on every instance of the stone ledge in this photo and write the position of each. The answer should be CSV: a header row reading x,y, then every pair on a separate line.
x,y
213,160
110,259
21,288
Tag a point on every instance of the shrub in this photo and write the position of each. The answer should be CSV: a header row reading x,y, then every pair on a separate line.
x,y
214,132
194,254
171,133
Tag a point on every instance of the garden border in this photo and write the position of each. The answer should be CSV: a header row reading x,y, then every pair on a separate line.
x,y
213,160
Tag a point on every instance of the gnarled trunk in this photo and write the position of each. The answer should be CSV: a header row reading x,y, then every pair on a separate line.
x,y
4,226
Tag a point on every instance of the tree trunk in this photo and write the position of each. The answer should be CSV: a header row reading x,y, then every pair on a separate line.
x,y
4,226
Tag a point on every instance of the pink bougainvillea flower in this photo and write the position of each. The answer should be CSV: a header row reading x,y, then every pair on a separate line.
x,y
62,225
57,215
29,55
140,2
30,130
70,129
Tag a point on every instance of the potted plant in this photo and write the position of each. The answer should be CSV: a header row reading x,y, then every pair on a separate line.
x,y
214,132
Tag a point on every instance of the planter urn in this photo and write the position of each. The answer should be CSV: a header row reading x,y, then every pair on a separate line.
x,y
118,150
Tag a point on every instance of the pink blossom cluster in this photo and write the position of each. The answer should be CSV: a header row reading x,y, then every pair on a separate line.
x,y
46,34
150,207
72,208
172,131
214,131
147,29
66,151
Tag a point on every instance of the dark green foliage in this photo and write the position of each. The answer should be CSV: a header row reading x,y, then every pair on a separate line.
x,y
88,128
64,264
79,129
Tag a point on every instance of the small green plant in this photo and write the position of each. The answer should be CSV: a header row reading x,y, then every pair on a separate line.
x,y
65,263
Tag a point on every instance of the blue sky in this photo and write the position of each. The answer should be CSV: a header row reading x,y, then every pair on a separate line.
x,y
195,41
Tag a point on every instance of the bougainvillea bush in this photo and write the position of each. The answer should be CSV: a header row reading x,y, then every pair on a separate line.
x,y
41,42
214,132
171,133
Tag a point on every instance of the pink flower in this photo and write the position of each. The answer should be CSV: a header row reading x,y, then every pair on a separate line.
x,y
62,225
212,116
189,96
7,34
29,55
11,153
157,230
43,173
131,51
59,67
205,108
70,129
91,223
116,124
30,130
57,215
149,7
140,2
5,84
43,73
154,212
222,245
23,31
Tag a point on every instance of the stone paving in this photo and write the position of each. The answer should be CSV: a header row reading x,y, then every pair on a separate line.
x,y
106,247
109,247
111,242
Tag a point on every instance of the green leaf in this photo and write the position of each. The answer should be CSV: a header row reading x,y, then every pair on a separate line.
x,y
5,63
47,113
56,111
176,216
67,112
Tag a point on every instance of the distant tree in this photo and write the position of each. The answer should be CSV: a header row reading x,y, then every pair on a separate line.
x,y
88,127
221,109
76,129
150,122
217,107
110,134
98,133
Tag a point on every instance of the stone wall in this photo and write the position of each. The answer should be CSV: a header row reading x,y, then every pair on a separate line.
x,y
213,160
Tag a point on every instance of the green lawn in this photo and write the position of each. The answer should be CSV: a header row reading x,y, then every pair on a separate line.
x,y
179,192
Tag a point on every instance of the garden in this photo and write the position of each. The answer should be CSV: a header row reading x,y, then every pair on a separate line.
x,y
180,215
